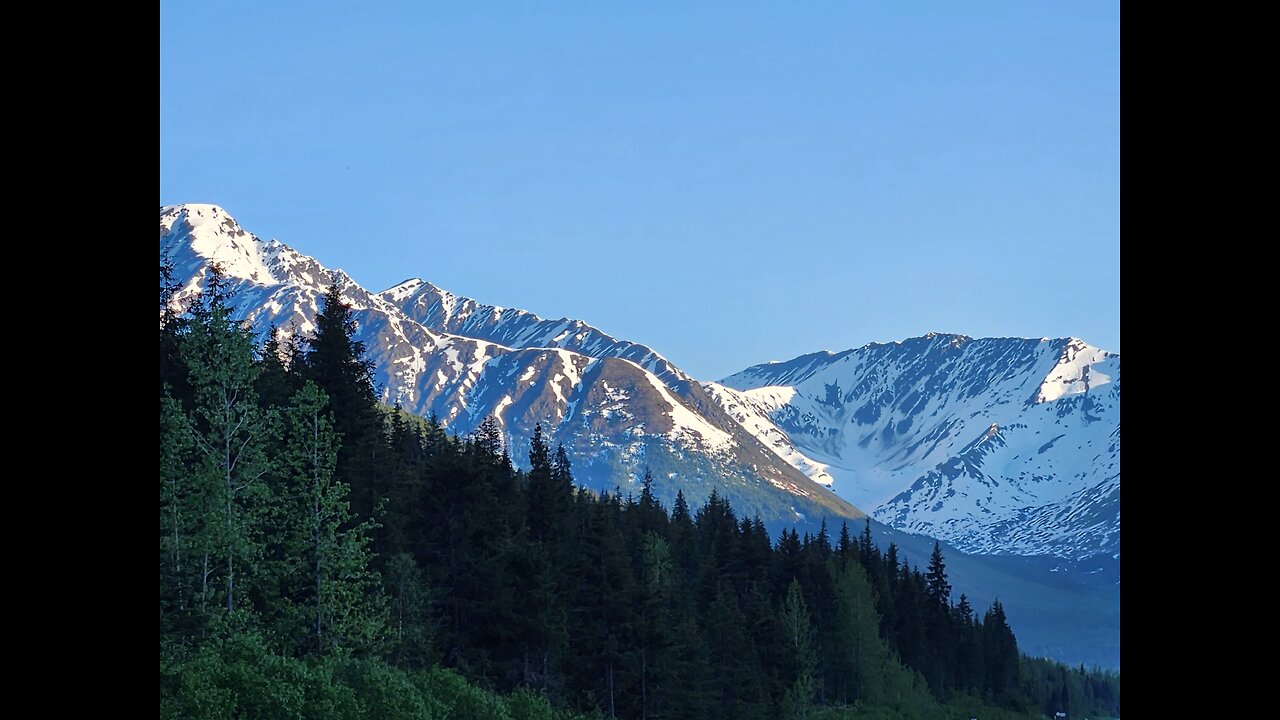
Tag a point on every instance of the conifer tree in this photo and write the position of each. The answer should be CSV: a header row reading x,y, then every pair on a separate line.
x,y
1000,653
335,362
654,632
409,601
229,434
177,509
173,370
801,653
939,588
860,657
343,606
846,549
275,384
941,634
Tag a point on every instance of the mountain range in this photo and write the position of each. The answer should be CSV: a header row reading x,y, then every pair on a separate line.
x,y
619,408
997,445
1002,447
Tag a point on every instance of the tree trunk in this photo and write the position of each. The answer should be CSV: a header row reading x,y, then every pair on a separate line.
x,y
315,521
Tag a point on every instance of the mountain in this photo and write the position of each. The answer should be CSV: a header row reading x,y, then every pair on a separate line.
x,y
616,406
894,426
997,445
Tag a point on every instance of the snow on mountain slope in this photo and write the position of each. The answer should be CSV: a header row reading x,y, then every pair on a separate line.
x,y
618,407
443,311
999,445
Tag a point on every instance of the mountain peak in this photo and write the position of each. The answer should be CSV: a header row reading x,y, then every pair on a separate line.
x,y
215,236
404,289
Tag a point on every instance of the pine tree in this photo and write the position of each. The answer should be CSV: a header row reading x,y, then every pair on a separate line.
x,y
859,655
968,655
734,660
409,622
866,549
540,492
1000,652
488,438
230,437
275,384
344,608
822,542
654,632
941,634
174,381
514,578
801,653
177,507
939,588
335,362
846,549
652,516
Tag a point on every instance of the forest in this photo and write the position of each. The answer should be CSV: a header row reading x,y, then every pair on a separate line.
x,y
323,555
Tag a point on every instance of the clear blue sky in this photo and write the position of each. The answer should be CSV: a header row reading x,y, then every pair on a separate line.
x,y
729,183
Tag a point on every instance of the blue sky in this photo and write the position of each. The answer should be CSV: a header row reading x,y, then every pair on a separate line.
x,y
729,183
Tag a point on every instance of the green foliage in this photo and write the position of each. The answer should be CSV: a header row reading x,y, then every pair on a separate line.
x,y
800,643
238,676
323,557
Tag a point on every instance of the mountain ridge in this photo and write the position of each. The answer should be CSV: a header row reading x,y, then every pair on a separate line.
x,y
993,444
613,415
997,445
616,417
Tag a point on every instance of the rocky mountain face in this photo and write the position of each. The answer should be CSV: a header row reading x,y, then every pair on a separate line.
x,y
616,406
997,445
1006,448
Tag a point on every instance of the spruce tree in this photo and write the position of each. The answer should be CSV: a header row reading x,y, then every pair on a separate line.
x,y
939,588
276,384
801,653
335,362
859,654
1000,653
178,516
409,622
654,637
230,435
846,549
344,607
174,381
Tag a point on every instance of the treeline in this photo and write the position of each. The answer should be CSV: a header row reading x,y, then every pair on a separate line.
x,y
333,557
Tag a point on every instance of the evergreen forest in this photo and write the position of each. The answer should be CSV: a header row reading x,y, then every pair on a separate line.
x,y
323,555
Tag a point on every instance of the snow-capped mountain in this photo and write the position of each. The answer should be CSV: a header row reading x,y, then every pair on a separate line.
x,y
1004,446
618,407
998,445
